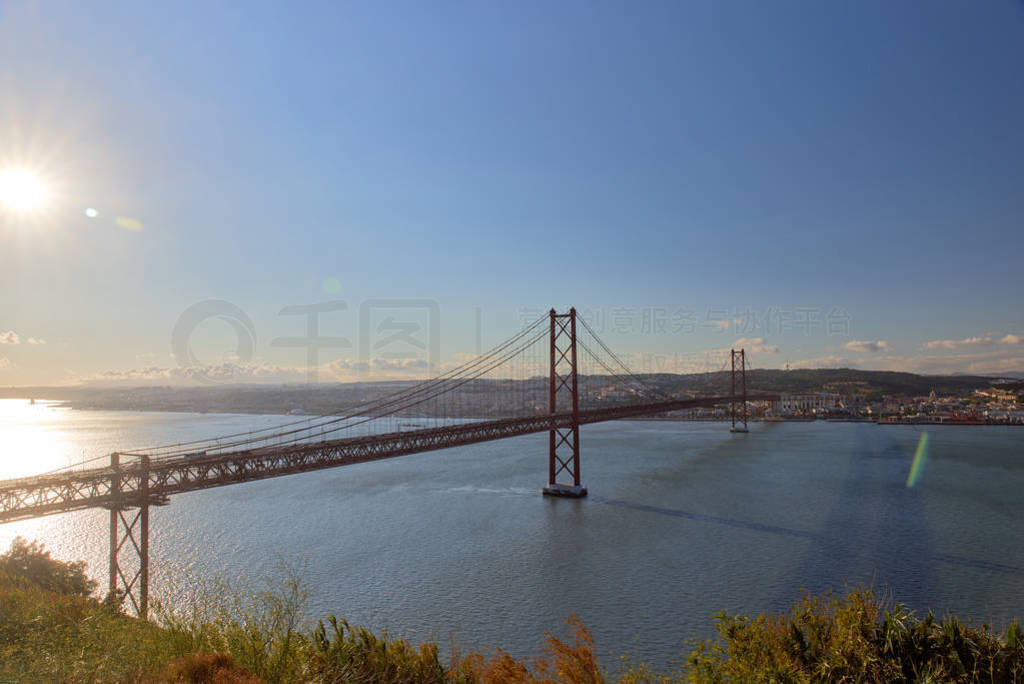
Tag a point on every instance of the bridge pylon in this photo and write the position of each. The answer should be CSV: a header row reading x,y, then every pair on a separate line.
x,y
564,438
738,414
128,579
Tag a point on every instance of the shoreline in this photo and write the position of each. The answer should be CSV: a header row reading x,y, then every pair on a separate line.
x,y
71,404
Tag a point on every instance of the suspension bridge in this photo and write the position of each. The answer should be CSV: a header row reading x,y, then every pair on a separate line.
x,y
554,376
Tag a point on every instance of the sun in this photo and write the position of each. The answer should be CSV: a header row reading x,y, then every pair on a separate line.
x,y
22,190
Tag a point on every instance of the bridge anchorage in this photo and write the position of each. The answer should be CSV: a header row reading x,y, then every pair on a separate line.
x,y
397,424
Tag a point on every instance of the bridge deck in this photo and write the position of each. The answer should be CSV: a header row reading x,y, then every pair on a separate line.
x,y
124,486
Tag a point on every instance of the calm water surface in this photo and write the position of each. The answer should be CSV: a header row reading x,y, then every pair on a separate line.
x,y
684,520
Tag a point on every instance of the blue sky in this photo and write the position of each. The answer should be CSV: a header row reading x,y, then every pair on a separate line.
x,y
817,161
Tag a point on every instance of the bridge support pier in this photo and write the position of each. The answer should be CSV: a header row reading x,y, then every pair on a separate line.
x,y
564,440
128,579
738,416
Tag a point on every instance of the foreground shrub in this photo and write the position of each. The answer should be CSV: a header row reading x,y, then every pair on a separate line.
x,y
564,661
31,563
855,639
51,637
264,631
206,668
344,653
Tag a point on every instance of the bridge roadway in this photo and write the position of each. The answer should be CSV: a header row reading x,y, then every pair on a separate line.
x,y
131,483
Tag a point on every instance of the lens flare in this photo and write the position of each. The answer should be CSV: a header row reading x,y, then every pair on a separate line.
x,y
332,285
920,456
128,223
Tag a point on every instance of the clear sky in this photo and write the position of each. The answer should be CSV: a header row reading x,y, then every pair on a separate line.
x,y
833,183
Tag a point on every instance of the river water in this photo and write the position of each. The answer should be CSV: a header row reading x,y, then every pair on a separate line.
x,y
684,520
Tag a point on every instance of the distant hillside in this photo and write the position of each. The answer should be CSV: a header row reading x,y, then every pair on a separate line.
x,y
330,398
841,380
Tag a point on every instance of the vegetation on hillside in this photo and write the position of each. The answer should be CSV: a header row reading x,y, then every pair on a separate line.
x,y
30,563
329,398
872,384
51,630
856,638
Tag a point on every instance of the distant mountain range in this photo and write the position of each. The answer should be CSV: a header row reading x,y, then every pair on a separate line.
x,y
330,398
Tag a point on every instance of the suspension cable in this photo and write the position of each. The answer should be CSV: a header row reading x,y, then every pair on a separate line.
x,y
320,421
382,408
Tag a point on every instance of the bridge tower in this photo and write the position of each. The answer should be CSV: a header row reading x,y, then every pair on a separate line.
x,y
738,415
129,535
564,435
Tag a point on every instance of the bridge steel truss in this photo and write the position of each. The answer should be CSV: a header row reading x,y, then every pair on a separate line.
x,y
124,485
128,489
738,415
564,440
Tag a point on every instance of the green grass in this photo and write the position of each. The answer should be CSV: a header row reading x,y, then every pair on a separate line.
x,y
52,630
50,637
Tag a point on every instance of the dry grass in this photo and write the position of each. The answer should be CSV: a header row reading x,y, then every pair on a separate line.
x,y
564,661
205,668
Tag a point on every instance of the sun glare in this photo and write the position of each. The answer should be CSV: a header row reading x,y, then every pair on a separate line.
x,y
21,190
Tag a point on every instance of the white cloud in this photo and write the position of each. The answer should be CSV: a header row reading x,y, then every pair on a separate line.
x,y
959,344
867,346
995,362
5,363
131,374
11,337
830,361
378,369
756,345
1012,339
223,372
997,366
689,362
342,370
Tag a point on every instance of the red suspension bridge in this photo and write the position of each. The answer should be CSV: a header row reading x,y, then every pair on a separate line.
x,y
554,376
